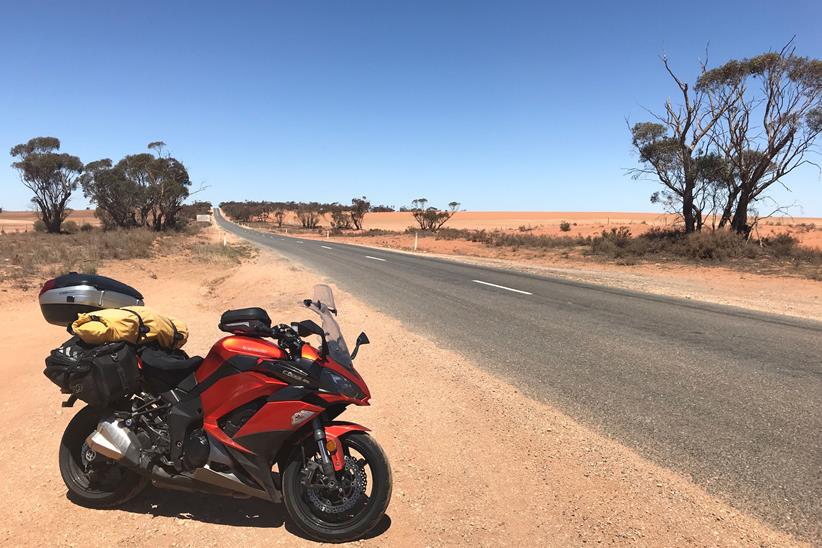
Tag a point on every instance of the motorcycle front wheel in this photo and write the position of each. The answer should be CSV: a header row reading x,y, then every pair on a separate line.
x,y
91,479
349,508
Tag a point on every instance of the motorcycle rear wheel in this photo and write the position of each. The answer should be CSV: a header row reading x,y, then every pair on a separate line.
x,y
356,521
100,483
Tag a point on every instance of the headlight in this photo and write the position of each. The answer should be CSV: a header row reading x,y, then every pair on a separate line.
x,y
333,382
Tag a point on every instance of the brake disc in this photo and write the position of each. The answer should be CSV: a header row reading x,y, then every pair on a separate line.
x,y
352,484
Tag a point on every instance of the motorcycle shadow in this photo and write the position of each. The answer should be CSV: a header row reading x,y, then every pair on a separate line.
x,y
220,510
207,508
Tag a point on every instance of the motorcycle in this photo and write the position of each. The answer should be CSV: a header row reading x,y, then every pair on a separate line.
x,y
255,418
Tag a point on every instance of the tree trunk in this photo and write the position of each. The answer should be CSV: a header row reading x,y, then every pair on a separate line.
x,y
739,223
53,226
688,211
728,210
53,220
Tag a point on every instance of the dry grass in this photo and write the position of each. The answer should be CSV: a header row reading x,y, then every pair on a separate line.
x,y
26,257
776,254
210,252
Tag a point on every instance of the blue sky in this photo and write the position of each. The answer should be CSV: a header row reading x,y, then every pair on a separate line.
x,y
497,105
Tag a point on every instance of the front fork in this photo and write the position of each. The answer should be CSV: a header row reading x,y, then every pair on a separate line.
x,y
331,434
325,457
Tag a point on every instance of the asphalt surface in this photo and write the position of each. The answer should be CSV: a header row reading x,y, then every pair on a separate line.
x,y
729,397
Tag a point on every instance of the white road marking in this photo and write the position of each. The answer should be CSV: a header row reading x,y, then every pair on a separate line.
x,y
502,287
299,242
326,247
374,258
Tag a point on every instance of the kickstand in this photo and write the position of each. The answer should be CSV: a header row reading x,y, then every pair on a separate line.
x,y
70,402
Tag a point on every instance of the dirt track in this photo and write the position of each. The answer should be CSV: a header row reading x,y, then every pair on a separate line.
x,y
474,462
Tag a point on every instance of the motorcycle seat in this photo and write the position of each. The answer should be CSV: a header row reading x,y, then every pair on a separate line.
x,y
176,361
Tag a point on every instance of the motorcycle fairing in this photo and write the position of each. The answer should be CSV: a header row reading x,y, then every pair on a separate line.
x,y
334,431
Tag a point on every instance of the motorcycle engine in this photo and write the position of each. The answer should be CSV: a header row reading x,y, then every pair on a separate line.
x,y
195,450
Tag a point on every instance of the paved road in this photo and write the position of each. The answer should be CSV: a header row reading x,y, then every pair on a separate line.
x,y
730,397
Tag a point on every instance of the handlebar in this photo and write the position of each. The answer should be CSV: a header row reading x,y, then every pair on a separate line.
x,y
288,339
283,331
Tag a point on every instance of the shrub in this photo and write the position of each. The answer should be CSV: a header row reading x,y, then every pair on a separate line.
x,y
86,227
707,245
70,227
781,245
617,237
565,226
498,238
39,226
711,244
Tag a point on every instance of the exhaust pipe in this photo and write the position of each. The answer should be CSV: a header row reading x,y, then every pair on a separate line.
x,y
115,442
120,444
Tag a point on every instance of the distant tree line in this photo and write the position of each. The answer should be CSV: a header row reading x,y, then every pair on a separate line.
x,y
308,214
738,131
140,190
341,216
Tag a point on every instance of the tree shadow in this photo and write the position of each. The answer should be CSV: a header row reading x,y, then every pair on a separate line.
x,y
222,510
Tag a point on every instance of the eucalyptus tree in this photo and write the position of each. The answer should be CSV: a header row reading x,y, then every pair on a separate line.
x,y
51,175
769,109
673,149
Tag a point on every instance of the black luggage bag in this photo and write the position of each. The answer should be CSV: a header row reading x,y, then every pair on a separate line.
x,y
98,375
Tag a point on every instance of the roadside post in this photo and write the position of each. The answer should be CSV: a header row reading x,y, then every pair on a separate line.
x,y
416,239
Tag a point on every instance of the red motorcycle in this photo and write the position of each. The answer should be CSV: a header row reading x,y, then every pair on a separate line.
x,y
255,418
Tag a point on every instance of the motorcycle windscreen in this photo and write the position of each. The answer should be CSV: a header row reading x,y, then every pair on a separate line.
x,y
324,295
323,304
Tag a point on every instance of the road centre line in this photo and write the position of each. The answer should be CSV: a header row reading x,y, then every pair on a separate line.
x,y
502,287
326,247
374,258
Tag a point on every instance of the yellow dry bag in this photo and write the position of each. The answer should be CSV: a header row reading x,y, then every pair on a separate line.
x,y
134,324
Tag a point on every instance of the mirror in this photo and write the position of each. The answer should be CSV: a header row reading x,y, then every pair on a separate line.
x,y
361,340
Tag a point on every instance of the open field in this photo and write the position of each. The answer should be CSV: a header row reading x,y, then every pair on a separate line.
x,y
524,474
807,229
23,221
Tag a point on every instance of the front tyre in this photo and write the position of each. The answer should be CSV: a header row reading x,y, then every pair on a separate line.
x,y
356,503
93,480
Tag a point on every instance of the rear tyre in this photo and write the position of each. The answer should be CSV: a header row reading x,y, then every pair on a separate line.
x,y
329,515
91,479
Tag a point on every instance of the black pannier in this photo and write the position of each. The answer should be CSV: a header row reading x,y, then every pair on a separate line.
x,y
252,322
98,375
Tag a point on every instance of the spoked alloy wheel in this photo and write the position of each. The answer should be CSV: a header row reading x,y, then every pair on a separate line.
x,y
351,506
93,480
